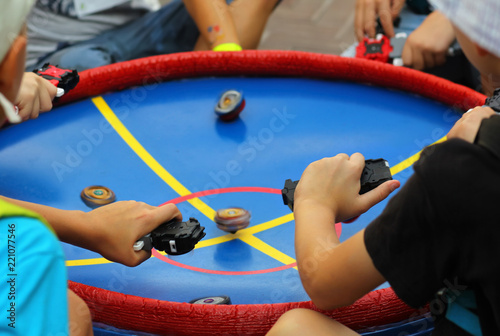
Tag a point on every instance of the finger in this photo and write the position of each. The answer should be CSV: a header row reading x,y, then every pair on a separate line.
x,y
439,59
358,159
51,88
407,55
418,59
378,194
429,62
25,109
480,112
396,7
385,15
369,19
139,257
36,108
358,20
359,163
132,258
342,156
164,214
46,99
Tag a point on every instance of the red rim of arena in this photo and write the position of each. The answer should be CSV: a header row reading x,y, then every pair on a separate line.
x,y
130,312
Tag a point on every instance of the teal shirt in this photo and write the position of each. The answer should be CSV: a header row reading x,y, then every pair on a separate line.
x,y
33,293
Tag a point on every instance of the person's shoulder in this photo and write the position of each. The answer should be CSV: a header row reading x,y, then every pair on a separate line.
x,y
456,160
452,152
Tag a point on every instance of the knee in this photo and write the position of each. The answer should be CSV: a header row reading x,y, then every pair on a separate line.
x,y
82,57
293,322
263,8
267,6
80,319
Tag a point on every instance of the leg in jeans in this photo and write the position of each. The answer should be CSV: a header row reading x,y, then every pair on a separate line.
x,y
167,30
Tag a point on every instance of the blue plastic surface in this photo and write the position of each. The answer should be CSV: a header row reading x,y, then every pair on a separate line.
x,y
286,124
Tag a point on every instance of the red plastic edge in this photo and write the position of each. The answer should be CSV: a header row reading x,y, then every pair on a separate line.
x,y
172,318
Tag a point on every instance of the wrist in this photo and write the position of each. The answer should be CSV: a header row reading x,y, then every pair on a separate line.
x,y
314,206
227,47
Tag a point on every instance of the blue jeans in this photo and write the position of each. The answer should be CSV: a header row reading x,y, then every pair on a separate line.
x,y
168,30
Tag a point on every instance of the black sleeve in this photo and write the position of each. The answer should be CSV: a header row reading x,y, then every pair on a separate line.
x,y
397,241
420,241
488,136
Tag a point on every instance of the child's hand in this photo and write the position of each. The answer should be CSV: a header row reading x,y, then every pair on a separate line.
x,y
114,228
428,45
334,184
466,127
367,11
35,96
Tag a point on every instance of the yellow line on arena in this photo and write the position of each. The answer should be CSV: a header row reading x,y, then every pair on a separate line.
x,y
268,225
411,160
87,262
97,261
135,145
267,249
246,235
242,234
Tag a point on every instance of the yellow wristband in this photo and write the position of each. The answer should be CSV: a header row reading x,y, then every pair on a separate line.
x,y
228,47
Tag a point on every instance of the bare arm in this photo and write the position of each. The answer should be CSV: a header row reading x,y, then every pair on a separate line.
x,y
466,128
110,230
334,274
249,18
428,45
214,21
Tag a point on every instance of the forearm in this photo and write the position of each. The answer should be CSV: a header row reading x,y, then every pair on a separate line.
x,y
315,241
250,18
314,231
333,274
214,21
68,224
109,230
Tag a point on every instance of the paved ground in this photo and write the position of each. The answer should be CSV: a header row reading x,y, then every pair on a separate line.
x,y
324,26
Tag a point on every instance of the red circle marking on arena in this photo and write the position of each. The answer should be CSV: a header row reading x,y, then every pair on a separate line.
x,y
204,270
224,191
